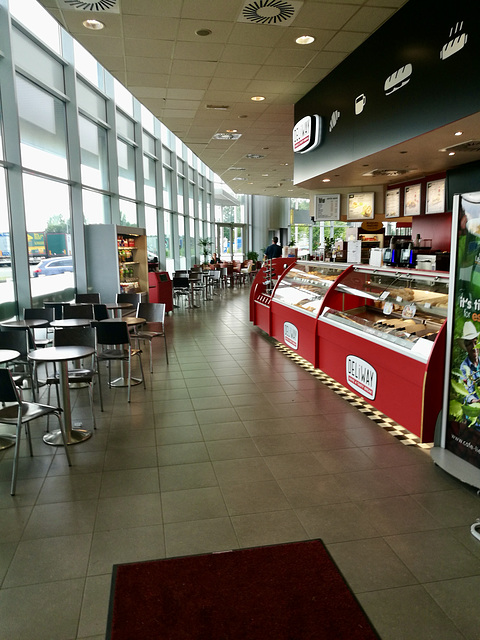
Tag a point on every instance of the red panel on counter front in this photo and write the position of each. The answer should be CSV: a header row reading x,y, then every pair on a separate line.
x,y
400,379
305,325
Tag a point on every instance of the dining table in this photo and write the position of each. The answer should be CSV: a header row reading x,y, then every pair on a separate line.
x,y
7,439
71,322
62,356
28,325
117,308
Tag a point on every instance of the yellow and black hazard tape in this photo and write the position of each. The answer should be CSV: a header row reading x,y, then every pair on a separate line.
x,y
393,428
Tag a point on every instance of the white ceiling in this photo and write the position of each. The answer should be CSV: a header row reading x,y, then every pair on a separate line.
x,y
152,47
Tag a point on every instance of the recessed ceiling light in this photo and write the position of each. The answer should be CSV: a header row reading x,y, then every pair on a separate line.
x,y
326,180
231,130
203,32
257,98
305,40
265,175
452,153
94,25
458,133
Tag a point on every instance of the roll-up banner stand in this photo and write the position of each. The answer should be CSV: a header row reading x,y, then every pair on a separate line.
x,y
457,446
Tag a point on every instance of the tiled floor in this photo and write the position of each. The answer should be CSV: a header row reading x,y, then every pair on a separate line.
x,y
234,445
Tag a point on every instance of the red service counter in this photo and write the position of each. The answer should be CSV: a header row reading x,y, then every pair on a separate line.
x,y
380,332
160,289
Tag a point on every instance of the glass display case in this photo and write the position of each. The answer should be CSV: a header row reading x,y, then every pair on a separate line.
x,y
406,308
304,286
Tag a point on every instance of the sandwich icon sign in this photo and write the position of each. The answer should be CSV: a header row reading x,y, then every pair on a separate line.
x,y
398,79
454,45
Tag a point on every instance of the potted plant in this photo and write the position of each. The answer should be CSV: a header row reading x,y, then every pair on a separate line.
x,y
252,255
206,244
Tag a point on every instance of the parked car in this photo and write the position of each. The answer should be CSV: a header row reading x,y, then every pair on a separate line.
x,y
53,266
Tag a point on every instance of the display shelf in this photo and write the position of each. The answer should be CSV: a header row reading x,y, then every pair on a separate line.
x,y
116,260
304,285
404,308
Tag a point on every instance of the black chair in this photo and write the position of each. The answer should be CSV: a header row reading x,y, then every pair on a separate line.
x,y
132,298
22,367
154,314
79,337
48,314
181,288
93,298
100,312
17,412
113,341
57,307
80,311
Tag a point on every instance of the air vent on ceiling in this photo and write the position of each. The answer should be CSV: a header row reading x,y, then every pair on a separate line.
x,y
469,145
111,6
236,169
391,173
273,12
254,156
217,107
226,136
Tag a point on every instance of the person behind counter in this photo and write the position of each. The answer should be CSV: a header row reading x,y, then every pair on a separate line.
x,y
273,250
215,259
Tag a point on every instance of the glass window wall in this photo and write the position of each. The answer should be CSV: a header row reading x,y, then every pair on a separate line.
x,y
43,136
94,157
48,223
128,213
96,207
126,169
7,285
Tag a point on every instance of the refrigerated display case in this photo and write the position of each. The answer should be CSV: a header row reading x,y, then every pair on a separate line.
x,y
381,333
262,288
116,260
297,301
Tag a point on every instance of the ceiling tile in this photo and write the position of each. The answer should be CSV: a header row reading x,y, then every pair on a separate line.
x,y
346,41
327,16
198,51
368,19
208,10
150,27
164,9
249,55
149,48
193,68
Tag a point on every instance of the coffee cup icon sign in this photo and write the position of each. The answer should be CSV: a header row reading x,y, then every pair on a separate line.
x,y
360,102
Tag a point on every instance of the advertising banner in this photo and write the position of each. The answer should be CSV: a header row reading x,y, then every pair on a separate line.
x,y
462,429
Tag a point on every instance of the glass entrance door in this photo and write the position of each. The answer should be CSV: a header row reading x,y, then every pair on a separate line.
x,y
230,242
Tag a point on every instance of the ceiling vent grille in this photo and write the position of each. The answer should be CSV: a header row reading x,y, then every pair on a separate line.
x,y
469,146
272,12
226,136
390,173
111,6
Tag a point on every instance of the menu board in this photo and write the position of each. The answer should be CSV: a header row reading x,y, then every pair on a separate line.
x,y
360,206
412,200
392,203
435,196
327,206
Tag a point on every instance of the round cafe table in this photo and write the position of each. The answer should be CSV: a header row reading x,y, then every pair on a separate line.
x,y
71,322
62,355
117,307
29,325
7,439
